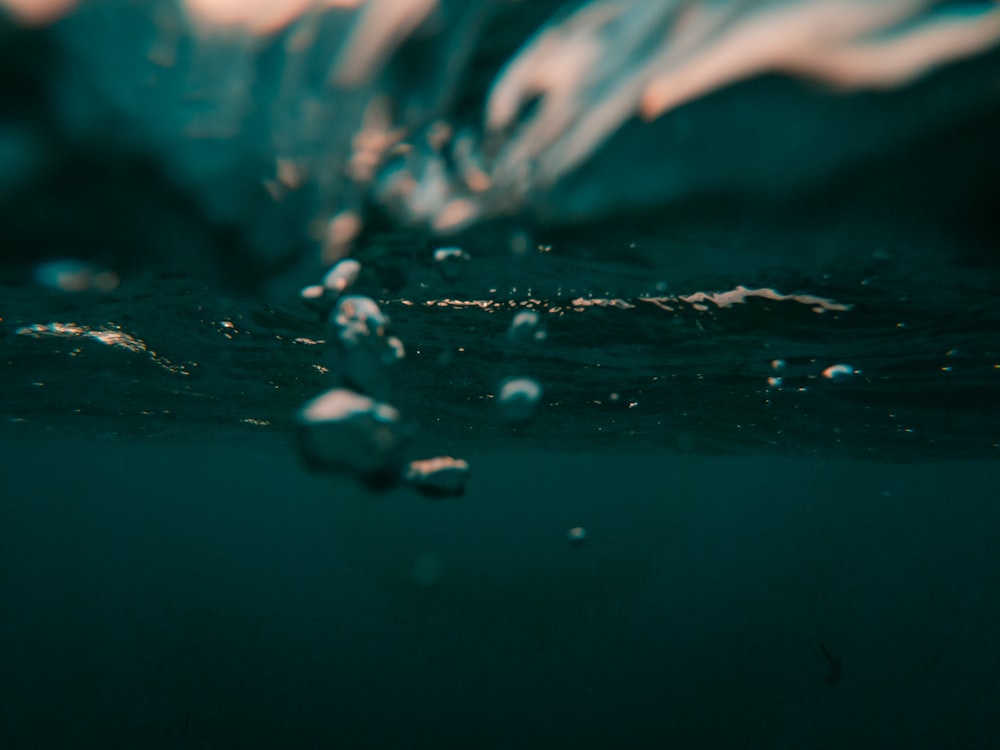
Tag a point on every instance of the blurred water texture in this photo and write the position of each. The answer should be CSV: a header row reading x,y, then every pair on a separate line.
x,y
739,260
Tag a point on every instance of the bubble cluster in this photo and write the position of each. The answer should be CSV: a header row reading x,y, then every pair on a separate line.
x,y
353,428
525,327
358,319
365,352
337,281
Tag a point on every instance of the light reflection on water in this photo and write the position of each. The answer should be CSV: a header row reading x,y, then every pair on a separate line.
x,y
110,335
739,295
742,370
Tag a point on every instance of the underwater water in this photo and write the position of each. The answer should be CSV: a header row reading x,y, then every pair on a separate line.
x,y
732,437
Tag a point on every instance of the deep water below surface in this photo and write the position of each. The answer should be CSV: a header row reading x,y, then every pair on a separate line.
x,y
184,593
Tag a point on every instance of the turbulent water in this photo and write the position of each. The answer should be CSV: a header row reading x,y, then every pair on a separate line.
x,y
598,165
627,363
754,505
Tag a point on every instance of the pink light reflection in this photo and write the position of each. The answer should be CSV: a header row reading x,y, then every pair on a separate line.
x,y
258,17
38,12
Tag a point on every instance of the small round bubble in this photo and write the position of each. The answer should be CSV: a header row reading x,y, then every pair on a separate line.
x,y
518,398
450,261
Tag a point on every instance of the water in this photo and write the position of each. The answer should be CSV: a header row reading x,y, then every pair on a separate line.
x,y
623,366
753,505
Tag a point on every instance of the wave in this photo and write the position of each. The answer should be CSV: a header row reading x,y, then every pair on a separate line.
x,y
287,128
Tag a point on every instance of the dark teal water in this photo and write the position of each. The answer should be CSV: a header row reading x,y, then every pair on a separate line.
x,y
632,360
774,558
811,564
212,594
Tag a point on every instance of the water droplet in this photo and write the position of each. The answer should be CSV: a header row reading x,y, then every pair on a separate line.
x,y
450,261
576,536
341,430
443,476
778,365
518,398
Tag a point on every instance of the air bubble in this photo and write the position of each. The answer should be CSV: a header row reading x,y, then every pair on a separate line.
x,y
313,293
358,319
518,398
576,536
450,261
342,276
365,352
342,430
337,281
443,476
526,326
520,242
76,276
394,350
839,372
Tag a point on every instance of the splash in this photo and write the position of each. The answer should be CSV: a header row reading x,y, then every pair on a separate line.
x,y
312,110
